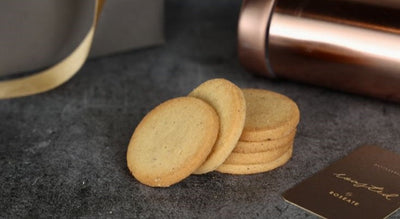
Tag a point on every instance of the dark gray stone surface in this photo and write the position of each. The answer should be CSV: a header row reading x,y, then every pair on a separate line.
x,y
62,153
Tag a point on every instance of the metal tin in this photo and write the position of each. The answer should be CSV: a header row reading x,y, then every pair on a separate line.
x,y
351,45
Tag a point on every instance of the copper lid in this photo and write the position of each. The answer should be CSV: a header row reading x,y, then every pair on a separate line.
x,y
253,35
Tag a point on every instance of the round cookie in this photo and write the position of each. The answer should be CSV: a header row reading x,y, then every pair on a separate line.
x,y
228,100
255,168
172,141
269,115
259,157
262,146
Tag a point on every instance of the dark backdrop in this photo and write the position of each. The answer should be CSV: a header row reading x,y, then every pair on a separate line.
x,y
62,153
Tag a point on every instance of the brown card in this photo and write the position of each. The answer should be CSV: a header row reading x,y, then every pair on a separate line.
x,y
364,184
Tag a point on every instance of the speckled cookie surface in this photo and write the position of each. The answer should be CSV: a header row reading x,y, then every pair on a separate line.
x,y
228,100
262,146
255,168
269,115
172,141
259,157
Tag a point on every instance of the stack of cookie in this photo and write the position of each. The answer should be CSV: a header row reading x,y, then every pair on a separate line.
x,y
217,126
268,135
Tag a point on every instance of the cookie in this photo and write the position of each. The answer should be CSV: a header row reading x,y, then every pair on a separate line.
x,y
262,146
172,141
259,157
255,168
269,115
228,100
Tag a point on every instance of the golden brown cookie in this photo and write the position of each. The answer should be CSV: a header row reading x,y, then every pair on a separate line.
x,y
172,141
255,168
262,146
259,157
228,100
269,115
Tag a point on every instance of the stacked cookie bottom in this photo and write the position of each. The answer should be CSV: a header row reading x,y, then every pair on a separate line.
x,y
259,156
266,143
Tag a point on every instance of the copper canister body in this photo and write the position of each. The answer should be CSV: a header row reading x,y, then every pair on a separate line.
x,y
351,45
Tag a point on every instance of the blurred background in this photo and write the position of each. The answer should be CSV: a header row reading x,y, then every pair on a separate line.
x,y
62,153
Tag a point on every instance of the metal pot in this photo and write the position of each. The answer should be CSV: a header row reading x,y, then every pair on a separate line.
x,y
351,45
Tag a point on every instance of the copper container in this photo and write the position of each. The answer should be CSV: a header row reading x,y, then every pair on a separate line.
x,y
351,45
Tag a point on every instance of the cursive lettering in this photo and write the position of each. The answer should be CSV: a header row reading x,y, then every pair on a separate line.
x,y
376,189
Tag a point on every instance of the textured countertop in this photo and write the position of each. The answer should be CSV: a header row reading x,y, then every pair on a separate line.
x,y
62,153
